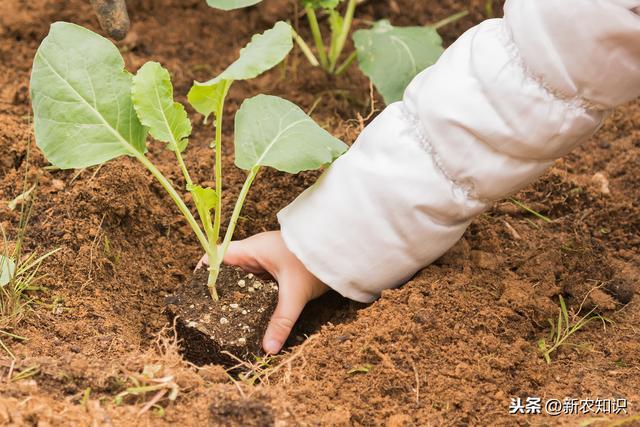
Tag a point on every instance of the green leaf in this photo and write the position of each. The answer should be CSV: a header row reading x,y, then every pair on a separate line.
x,y
392,56
205,99
336,21
321,4
7,270
152,95
81,96
272,131
264,52
204,198
231,4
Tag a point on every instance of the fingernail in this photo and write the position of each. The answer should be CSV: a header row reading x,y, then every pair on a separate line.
x,y
272,346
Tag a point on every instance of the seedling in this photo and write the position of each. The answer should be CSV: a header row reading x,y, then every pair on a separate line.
x,y
328,55
89,110
339,26
563,329
146,384
390,56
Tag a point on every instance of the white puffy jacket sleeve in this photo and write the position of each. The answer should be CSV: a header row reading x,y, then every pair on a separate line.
x,y
505,100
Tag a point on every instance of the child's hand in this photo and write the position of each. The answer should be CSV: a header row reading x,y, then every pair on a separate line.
x,y
267,253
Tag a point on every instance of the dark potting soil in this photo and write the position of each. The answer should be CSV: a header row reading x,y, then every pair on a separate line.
x,y
226,330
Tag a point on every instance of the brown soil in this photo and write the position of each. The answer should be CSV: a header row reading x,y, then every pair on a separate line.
x,y
234,324
451,347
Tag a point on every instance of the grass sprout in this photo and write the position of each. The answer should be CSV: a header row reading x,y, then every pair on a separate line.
x,y
149,384
531,211
563,329
19,273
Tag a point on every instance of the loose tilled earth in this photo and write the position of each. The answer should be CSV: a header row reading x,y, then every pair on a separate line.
x,y
450,347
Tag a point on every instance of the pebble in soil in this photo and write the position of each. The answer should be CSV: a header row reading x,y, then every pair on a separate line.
x,y
235,323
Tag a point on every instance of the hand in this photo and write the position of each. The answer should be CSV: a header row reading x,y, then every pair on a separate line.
x,y
267,253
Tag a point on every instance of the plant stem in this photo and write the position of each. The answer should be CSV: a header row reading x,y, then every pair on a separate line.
x,y
344,33
218,167
333,16
346,64
236,213
213,238
450,19
183,167
317,36
306,50
176,199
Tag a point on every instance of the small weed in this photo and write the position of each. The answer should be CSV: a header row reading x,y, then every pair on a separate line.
x,y
253,373
19,273
563,329
25,374
531,211
141,386
364,369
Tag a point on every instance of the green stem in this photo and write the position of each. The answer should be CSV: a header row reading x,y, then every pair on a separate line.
x,y
218,166
183,167
306,50
344,33
317,36
346,64
176,199
449,20
333,15
236,213
213,238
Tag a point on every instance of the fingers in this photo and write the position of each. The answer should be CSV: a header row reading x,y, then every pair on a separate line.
x,y
290,304
203,261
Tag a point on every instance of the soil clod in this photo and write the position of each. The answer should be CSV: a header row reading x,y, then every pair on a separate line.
x,y
235,324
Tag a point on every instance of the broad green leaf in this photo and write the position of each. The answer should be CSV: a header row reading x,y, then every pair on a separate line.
x,y
152,96
264,52
81,96
272,131
231,4
7,270
321,4
392,56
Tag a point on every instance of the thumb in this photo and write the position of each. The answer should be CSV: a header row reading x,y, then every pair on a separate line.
x,y
290,304
243,253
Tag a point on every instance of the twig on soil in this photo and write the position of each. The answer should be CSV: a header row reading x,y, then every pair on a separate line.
x,y
386,360
91,249
315,104
415,371
13,364
511,230
153,401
